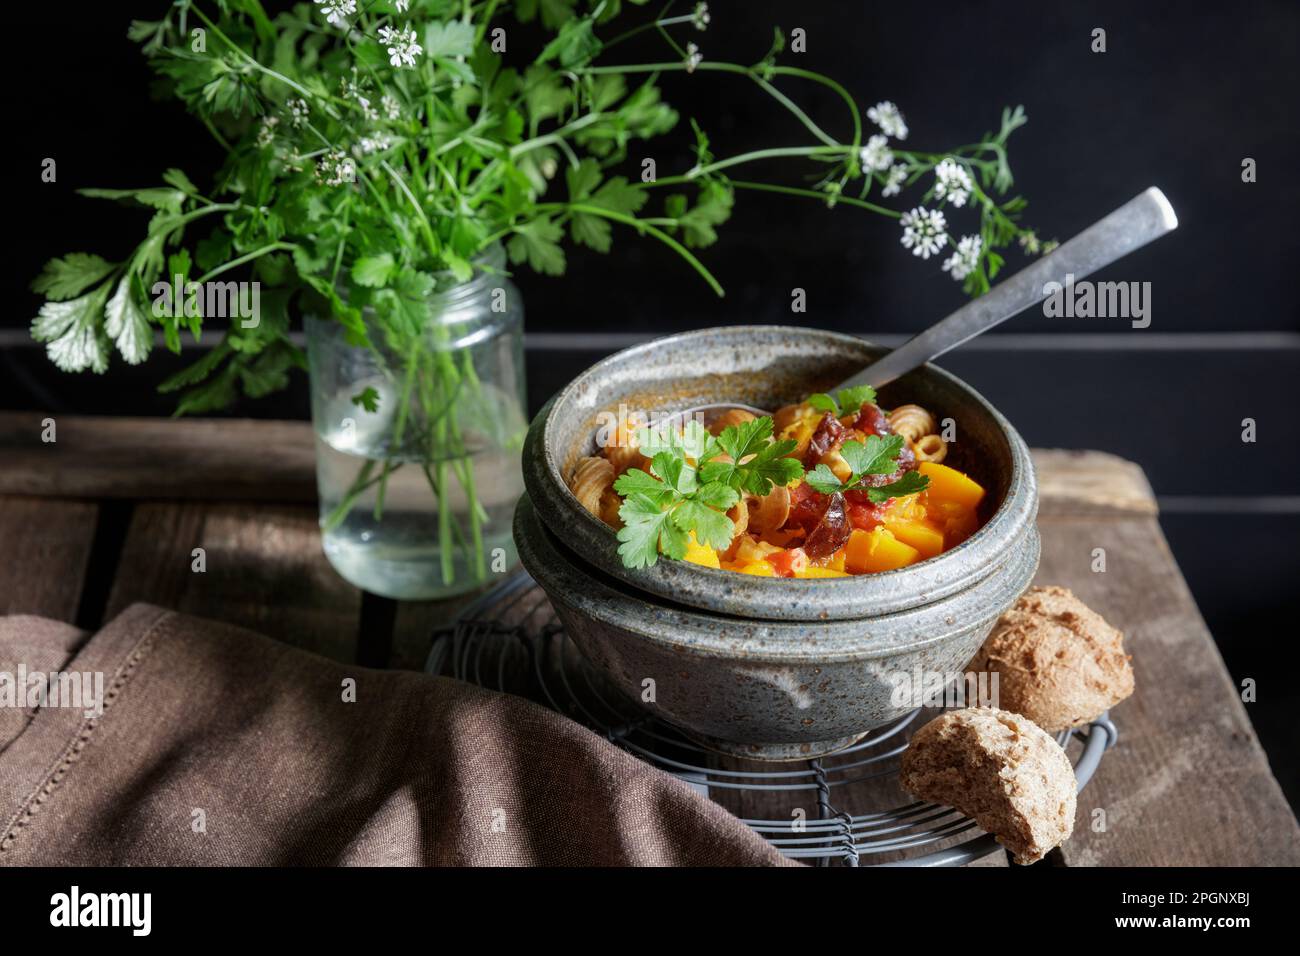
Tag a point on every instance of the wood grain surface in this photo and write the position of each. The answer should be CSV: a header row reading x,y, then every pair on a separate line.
x,y
1187,784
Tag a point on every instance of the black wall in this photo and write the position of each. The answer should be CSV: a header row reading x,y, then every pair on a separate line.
x,y
1184,93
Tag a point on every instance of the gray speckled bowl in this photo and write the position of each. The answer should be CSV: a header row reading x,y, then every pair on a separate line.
x,y
769,690
769,668
769,366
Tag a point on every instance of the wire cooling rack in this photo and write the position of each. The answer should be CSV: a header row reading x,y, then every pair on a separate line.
x,y
845,809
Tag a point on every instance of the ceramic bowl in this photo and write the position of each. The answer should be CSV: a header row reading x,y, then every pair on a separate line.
x,y
770,668
769,366
768,690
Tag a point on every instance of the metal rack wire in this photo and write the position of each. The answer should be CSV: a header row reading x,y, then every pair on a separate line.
x,y
510,640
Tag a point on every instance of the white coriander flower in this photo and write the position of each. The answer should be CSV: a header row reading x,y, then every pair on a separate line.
x,y
402,45
335,10
693,57
952,182
700,18
367,111
963,262
1030,243
876,155
266,131
886,115
403,5
336,168
923,231
894,180
372,144
298,112
392,109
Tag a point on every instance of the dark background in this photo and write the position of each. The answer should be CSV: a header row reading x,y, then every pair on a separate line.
x,y
1183,94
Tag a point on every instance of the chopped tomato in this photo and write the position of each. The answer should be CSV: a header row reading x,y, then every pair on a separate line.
x,y
867,516
789,563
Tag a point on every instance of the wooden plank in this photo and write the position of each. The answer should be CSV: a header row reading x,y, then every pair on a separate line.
x,y
1188,783
264,570
47,547
1090,482
221,459
239,459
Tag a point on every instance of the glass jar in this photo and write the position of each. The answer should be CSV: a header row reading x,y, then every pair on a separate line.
x,y
418,440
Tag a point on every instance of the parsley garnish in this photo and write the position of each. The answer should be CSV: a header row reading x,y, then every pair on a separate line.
x,y
849,400
660,510
879,456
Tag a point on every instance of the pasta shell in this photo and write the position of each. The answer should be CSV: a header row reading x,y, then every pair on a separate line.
x,y
911,421
769,513
739,515
590,480
610,502
732,416
930,448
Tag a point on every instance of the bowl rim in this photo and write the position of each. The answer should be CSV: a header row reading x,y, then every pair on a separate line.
x,y
568,580
855,597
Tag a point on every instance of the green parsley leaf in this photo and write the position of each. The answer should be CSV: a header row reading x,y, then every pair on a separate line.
x,y
676,473
823,479
373,271
690,442
824,403
711,527
453,38
368,399
879,456
538,242
646,526
852,399
71,275
911,483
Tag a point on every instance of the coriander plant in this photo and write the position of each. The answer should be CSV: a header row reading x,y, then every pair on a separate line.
x,y
376,151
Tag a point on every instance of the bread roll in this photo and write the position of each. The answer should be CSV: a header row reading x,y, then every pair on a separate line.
x,y
1058,662
1001,770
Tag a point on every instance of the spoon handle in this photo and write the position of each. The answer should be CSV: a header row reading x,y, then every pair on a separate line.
x,y
1142,219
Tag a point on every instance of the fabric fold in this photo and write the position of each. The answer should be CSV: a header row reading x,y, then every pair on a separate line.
x,y
218,746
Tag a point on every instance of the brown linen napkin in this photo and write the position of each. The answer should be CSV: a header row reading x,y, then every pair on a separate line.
x,y
217,746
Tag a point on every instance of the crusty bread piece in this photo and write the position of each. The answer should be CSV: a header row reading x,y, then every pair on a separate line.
x,y
1001,770
1058,662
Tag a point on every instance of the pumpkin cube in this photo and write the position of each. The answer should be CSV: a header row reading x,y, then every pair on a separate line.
x,y
950,485
878,550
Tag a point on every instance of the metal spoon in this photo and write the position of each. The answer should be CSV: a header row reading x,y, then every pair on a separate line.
x,y
1146,217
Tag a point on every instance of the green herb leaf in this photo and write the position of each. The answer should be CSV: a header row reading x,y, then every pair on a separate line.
x,y
676,473
757,462
538,243
368,399
453,38
711,527
879,456
71,275
125,323
823,479
852,399
719,495
373,271
646,526
911,483
690,442
634,481
823,403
